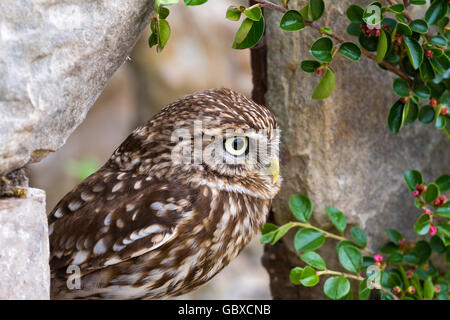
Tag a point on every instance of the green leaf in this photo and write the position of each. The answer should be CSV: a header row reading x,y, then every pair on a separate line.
x,y
350,258
431,193
301,206
295,275
402,28
389,248
418,2
401,87
382,47
321,49
254,13
326,30
394,235
314,260
164,33
426,114
359,236
414,51
153,40
427,71
292,20
163,12
443,182
370,44
336,287
363,290
194,2
355,13
249,34
233,13
281,231
428,289
304,12
309,277
421,90
337,218
444,228
419,26
422,225
440,64
397,116
436,11
354,29
397,8
413,111
395,258
310,66
437,245
420,254
325,87
413,178
308,239
350,50
316,9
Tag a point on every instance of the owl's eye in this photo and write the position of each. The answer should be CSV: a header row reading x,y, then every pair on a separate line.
x,y
236,146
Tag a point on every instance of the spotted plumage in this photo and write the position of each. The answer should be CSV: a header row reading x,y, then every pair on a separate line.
x,y
148,225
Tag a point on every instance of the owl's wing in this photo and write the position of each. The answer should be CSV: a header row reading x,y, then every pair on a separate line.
x,y
114,216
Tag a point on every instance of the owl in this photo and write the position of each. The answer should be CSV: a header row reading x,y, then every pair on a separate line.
x,y
175,203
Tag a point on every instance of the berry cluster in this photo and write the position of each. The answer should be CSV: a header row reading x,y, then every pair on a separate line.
x,y
372,31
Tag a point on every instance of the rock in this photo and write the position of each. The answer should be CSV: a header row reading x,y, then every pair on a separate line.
x,y
55,59
339,151
24,247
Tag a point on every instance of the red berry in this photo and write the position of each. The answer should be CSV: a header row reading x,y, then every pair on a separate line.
x,y
437,288
411,290
320,71
404,100
378,257
421,188
427,211
433,229
396,289
444,110
428,53
433,102
416,193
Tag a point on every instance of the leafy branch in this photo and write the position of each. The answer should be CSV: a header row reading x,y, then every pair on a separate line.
x,y
421,280
338,38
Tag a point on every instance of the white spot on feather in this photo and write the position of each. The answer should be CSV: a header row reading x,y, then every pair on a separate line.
x,y
100,247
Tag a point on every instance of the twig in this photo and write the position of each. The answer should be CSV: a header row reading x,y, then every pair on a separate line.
x,y
339,39
342,274
328,234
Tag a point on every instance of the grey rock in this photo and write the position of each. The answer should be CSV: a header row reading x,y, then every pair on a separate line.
x,y
24,247
339,151
56,57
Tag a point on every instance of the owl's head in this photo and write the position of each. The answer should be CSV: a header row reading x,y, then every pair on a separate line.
x,y
222,139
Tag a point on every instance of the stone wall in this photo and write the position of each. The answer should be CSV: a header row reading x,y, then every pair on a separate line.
x,y
339,151
55,59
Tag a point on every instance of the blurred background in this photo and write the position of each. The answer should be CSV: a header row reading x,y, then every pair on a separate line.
x,y
198,56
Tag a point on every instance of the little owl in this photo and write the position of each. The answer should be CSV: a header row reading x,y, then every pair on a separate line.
x,y
178,199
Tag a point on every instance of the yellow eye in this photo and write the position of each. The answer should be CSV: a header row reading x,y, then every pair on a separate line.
x,y
236,146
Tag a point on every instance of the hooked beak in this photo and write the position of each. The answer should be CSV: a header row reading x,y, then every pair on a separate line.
x,y
274,170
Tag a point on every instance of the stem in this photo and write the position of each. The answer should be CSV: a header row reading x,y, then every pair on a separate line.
x,y
356,277
340,39
342,274
327,234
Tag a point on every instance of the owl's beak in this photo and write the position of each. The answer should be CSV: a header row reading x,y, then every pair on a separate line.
x,y
274,169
